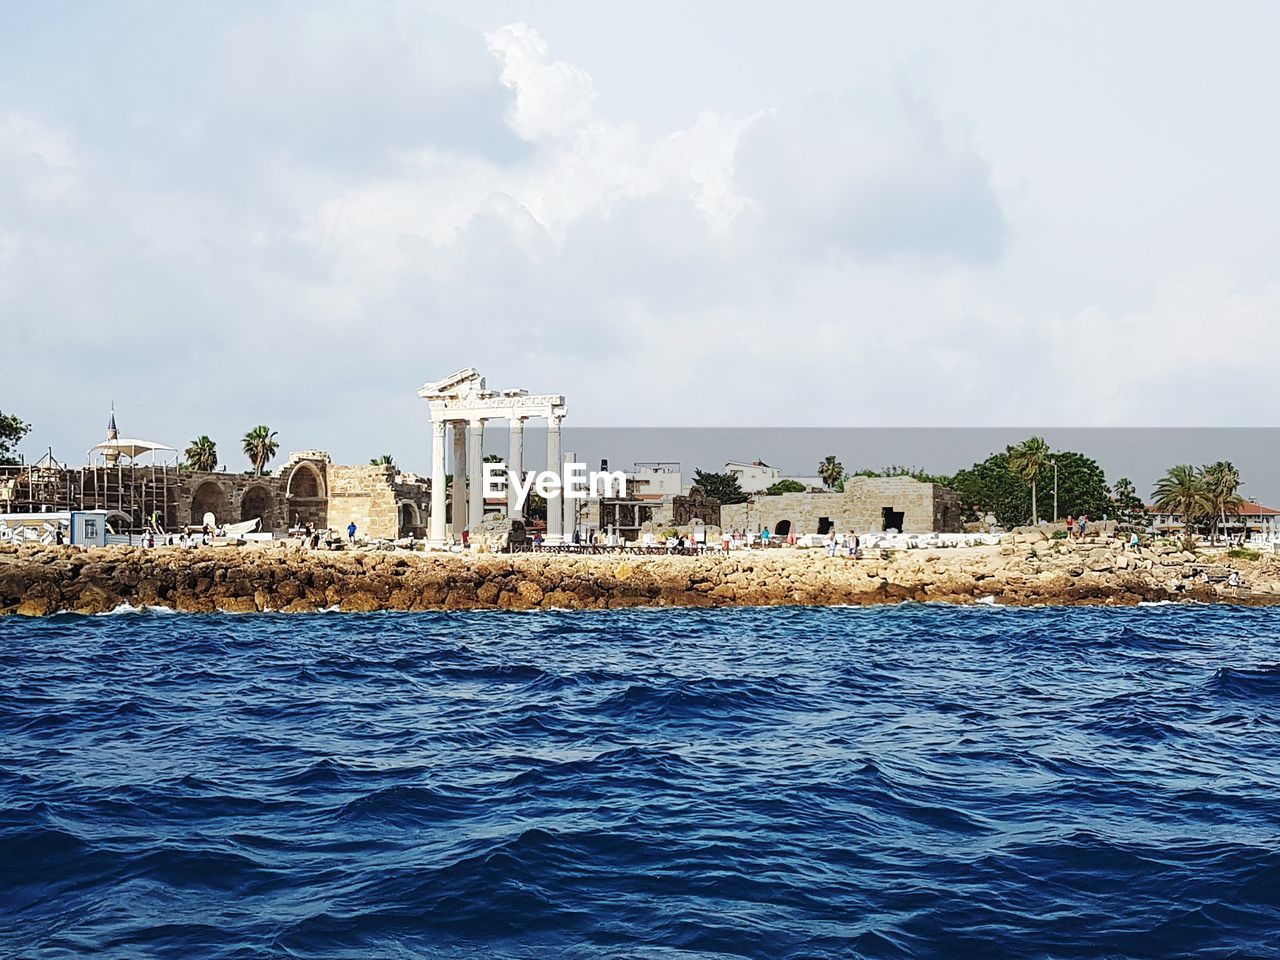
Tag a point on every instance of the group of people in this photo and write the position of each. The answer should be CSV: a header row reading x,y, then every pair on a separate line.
x,y
313,536
202,538
1077,527
837,543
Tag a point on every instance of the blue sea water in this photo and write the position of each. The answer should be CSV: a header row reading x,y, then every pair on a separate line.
x,y
912,781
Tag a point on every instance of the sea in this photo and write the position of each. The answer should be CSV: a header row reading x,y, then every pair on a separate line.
x,y
889,782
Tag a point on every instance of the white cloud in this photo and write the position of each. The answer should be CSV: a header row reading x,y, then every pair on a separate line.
x,y
348,202
553,99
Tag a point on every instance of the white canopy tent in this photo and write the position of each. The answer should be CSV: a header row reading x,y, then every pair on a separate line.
x,y
135,450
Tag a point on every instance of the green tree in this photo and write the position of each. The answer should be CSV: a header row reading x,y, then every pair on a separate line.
x,y
12,430
1082,487
1125,502
260,445
991,487
535,506
722,486
1182,491
202,454
1027,460
386,460
896,470
830,471
785,486
1222,488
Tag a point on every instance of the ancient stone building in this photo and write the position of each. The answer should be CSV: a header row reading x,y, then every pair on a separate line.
x,y
630,517
307,489
867,504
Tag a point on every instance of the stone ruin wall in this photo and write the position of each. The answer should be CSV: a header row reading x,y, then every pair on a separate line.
x,y
926,508
384,505
231,498
308,489
413,499
363,494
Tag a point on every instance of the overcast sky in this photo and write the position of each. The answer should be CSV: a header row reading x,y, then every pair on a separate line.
x,y
721,213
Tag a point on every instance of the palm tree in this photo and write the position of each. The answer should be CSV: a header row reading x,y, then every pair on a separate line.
x,y
831,471
1222,488
202,454
1026,461
260,446
386,460
1124,498
1182,491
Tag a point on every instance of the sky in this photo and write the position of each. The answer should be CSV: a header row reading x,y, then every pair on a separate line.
x,y
994,214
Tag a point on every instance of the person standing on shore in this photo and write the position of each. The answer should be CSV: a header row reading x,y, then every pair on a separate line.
x,y
727,540
351,532
1071,527
1081,526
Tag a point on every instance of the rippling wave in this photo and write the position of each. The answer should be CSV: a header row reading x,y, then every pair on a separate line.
x,y
912,781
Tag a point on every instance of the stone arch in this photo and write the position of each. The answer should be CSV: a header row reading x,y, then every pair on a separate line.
x,y
255,503
410,518
305,482
782,528
209,497
119,521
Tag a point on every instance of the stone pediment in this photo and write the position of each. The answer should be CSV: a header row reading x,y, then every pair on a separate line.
x,y
467,382
464,394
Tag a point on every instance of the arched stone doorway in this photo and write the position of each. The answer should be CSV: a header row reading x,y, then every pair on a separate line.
x,y
209,497
118,522
255,503
410,519
305,502
782,528
305,482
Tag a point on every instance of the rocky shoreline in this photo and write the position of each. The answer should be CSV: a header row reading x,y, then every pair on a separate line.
x,y
41,580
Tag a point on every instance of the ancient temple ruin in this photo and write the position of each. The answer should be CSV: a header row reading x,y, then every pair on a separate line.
x,y
464,403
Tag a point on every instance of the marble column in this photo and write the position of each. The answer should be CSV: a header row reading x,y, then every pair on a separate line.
x,y
555,505
459,493
475,474
515,463
570,505
438,471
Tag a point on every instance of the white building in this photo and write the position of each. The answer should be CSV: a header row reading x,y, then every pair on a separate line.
x,y
756,476
662,478
81,527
